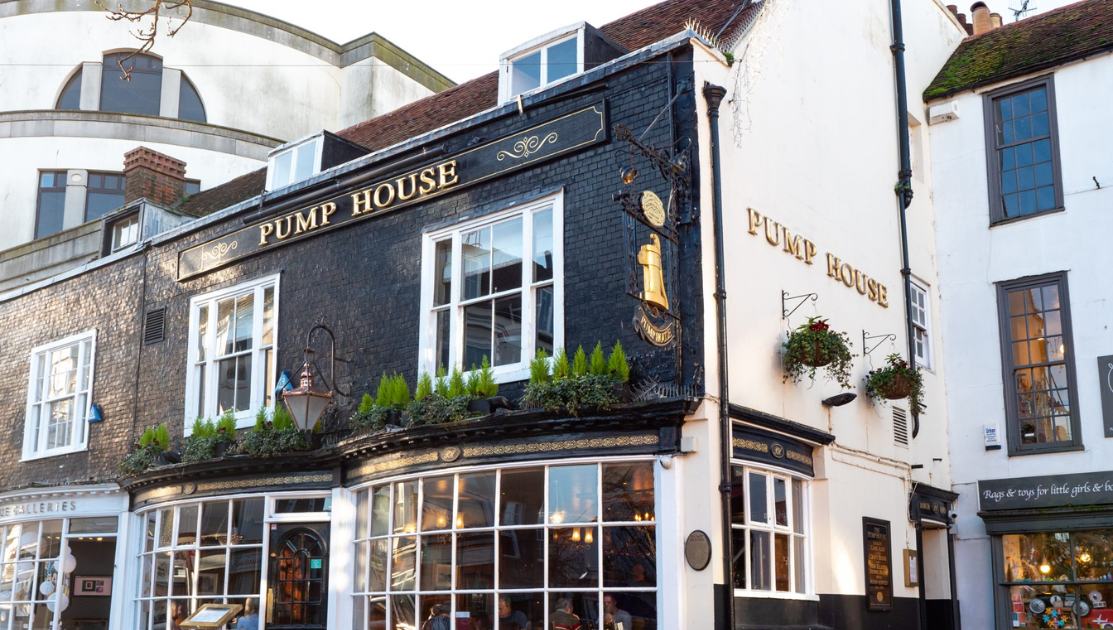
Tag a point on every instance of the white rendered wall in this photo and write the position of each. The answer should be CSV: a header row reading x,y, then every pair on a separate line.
x,y
815,149
21,159
975,256
245,82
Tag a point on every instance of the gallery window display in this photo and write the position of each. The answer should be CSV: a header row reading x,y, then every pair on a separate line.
x,y
54,572
510,548
1059,579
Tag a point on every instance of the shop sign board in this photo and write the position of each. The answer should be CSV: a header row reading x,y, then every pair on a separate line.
x,y
771,448
1105,383
568,133
1026,493
879,563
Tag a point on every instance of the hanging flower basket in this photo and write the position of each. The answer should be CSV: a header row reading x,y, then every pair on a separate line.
x,y
896,381
814,346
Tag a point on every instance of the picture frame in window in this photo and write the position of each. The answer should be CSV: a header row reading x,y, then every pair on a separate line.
x,y
997,214
1009,389
92,586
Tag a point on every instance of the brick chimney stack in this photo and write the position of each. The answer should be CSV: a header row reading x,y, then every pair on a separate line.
x,y
983,22
160,178
961,17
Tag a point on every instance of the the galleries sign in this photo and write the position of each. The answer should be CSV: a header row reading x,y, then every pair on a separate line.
x,y
559,136
1095,488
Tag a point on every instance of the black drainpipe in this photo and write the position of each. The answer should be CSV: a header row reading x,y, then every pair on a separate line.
x,y
904,185
904,196
714,95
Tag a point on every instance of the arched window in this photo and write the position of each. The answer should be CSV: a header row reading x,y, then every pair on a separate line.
x,y
141,95
189,102
71,94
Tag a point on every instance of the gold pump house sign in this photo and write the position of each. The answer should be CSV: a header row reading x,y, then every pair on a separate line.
x,y
571,132
804,249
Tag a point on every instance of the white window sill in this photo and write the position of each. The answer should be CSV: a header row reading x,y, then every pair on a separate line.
x,y
54,453
775,595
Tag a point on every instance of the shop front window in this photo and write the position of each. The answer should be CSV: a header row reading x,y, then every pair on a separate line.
x,y
510,549
200,553
1059,579
52,571
769,533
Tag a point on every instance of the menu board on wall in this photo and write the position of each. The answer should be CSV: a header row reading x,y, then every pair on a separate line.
x,y
879,564
1105,382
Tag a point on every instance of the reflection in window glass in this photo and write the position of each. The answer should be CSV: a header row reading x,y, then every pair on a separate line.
x,y
504,309
71,94
769,531
572,494
1039,362
51,203
515,567
141,94
189,102
180,576
562,60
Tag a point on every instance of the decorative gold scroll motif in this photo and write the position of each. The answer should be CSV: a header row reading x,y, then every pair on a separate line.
x,y
527,146
562,445
750,445
371,468
218,251
653,208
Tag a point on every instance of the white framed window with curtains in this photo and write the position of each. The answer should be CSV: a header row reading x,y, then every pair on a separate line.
x,y
232,346
770,533
494,286
59,393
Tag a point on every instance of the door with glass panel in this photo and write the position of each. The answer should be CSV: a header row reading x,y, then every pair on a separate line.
x,y
298,584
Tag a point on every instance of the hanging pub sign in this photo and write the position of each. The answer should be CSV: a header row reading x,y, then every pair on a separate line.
x,y
571,132
879,563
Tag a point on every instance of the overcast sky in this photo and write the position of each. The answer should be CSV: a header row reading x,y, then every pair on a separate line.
x,y
464,38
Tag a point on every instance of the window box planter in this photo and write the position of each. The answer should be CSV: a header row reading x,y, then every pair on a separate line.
x,y
168,458
814,346
486,406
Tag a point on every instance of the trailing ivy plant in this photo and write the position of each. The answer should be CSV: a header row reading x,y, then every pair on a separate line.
x,y
559,385
897,380
272,437
813,346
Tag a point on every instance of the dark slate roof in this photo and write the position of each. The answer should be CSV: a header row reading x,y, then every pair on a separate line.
x,y
1073,32
227,194
634,31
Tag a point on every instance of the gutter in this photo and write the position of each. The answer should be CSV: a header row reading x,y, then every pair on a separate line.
x,y
714,95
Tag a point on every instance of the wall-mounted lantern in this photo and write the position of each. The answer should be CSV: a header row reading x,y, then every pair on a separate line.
x,y
308,401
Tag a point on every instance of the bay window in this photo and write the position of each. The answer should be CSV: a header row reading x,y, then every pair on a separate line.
x,y
232,351
501,548
493,287
769,525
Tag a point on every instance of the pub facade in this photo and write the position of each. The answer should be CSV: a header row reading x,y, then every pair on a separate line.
x,y
484,236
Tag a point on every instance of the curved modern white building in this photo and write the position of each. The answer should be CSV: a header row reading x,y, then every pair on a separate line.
x,y
227,89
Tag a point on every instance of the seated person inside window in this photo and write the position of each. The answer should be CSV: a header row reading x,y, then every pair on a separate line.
x,y
562,618
250,618
511,619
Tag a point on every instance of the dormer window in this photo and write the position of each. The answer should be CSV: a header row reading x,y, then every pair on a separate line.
x,y
293,164
544,66
554,56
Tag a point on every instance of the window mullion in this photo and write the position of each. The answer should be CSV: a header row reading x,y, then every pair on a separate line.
x,y
455,328
258,354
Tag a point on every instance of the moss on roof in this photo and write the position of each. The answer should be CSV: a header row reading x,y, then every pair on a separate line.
x,y
1072,32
